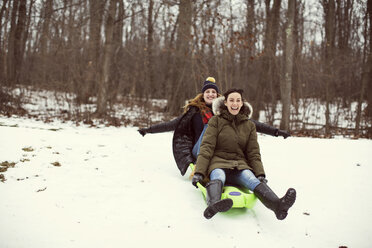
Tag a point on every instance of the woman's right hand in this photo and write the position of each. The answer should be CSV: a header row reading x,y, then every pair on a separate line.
x,y
197,178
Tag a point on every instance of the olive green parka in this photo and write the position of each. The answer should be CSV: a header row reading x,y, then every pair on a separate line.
x,y
230,142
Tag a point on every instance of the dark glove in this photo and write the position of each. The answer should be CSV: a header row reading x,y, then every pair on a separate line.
x,y
283,133
262,179
143,131
197,178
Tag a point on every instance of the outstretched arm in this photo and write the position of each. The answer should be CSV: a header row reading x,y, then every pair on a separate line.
x,y
270,130
161,127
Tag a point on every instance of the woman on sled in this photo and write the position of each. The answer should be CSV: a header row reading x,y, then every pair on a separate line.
x,y
230,153
191,125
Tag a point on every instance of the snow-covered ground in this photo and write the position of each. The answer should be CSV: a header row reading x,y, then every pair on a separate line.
x,y
110,187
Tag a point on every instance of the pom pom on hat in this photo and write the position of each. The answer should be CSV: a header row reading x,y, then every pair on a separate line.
x,y
211,79
209,83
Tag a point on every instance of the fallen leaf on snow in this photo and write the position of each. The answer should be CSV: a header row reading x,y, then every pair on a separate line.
x,y
56,164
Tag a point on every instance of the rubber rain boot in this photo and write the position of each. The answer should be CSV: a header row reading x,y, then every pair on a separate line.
x,y
272,201
215,204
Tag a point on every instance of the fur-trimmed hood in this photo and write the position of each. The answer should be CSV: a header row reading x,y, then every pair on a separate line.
x,y
218,103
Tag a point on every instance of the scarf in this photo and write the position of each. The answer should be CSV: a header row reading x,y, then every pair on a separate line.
x,y
206,116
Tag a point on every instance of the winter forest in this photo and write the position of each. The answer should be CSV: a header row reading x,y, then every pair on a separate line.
x,y
305,66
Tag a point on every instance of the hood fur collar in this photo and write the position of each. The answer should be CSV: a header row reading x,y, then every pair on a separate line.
x,y
219,102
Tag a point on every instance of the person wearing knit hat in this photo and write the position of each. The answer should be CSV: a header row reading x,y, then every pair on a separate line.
x,y
210,83
191,125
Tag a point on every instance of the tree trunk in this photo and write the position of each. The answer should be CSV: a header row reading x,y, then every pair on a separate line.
x,y
286,84
251,24
150,44
2,43
250,35
48,10
182,64
106,63
11,66
369,75
168,84
266,78
92,68
274,77
2,11
116,68
329,9
297,92
18,42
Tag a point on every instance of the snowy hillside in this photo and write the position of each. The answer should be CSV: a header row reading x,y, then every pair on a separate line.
x,y
110,187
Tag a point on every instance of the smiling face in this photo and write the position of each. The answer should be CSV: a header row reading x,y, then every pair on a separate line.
x,y
234,103
209,95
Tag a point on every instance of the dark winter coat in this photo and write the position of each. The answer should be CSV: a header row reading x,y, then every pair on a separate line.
x,y
184,140
230,142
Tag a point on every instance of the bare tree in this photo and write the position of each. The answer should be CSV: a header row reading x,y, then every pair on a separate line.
x,y
11,64
106,61
150,43
286,82
250,36
182,63
169,40
329,10
116,71
265,84
297,77
369,75
45,38
92,66
150,49
3,12
366,76
343,54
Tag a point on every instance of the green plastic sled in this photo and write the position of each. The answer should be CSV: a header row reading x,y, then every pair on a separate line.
x,y
242,198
